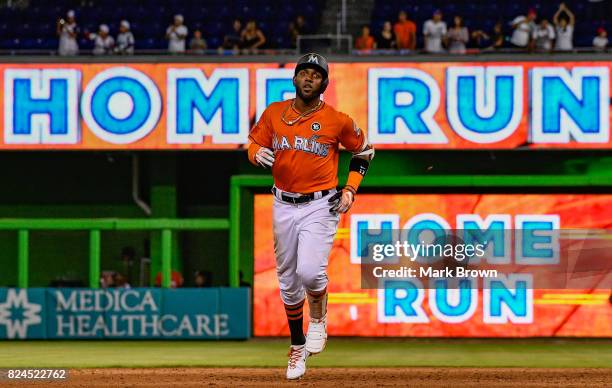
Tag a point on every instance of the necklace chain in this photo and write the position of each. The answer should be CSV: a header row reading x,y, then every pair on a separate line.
x,y
300,116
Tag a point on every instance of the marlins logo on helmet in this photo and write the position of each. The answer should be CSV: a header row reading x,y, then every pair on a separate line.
x,y
315,61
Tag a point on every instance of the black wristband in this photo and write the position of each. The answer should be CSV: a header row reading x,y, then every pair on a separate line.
x,y
359,165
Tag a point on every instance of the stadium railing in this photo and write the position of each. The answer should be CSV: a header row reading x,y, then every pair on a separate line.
x,y
327,44
166,227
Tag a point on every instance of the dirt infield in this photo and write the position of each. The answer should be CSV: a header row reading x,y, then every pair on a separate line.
x,y
330,377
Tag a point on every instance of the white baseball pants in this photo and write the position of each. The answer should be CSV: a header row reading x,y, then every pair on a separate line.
x,y
303,238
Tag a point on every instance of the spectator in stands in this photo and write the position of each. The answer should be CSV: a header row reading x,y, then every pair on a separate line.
x,y
564,27
543,36
435,32
128,258
523,29
600,42
67,30
104,44
125,39
232,40
480,39
386,39
297,27
252,38
494,41
499,39
176,279
365,41
176,35
107,279
405,32
203,279
121,281
458,36
199,279
197,45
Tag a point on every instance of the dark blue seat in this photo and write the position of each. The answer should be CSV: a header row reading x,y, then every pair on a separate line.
x,y
49,44
214,42
15,43
146,44
29,44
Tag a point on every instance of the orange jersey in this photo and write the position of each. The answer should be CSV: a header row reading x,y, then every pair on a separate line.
x,y
405,32
306,153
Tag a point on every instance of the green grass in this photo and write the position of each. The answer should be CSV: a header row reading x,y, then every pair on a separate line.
x,y
341,352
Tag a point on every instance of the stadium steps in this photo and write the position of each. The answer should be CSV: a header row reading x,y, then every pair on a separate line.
x,y
358,14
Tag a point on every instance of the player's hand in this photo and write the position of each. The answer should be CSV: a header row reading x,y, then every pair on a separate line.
x,y
264,157
342,201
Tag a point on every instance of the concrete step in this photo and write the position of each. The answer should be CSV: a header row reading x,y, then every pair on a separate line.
x,y
358,14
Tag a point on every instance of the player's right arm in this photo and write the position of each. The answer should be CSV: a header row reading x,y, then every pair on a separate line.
x,y
260,151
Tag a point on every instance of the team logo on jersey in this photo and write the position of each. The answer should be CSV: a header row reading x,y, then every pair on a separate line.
x,y
356,129
309,145
315,126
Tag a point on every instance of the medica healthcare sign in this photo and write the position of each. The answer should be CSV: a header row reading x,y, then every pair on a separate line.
x,y
444,105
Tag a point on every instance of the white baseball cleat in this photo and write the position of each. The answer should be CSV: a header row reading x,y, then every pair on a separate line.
x,y
296,367
317,335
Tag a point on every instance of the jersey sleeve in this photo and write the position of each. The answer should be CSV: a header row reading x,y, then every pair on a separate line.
x,y
261,134
351,136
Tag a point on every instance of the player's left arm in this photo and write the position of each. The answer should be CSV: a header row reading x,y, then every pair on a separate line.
x,y
355,141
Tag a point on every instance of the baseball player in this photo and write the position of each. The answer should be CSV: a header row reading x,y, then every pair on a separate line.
x,y
299,139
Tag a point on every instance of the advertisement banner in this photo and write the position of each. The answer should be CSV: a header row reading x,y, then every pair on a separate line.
x,y
522,226
116,313
440,105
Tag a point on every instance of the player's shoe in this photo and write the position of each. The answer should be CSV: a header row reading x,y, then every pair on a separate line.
x,y
317,335
296,366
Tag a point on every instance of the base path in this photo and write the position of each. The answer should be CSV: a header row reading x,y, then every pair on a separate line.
x,y
329,377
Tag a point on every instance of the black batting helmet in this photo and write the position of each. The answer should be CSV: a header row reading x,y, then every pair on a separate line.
x,y
314,61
